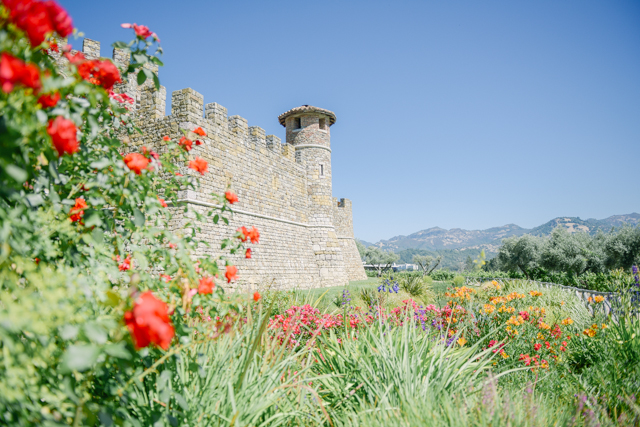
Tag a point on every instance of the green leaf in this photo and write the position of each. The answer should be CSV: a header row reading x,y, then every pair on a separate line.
x,y
34,200
120,45
95,332
118,350
100,164
138,218
142,260
69,332
181,401
156,81
80,357
18,174
157,61
41,116
140,59
92,219
216,218
142,77
97,235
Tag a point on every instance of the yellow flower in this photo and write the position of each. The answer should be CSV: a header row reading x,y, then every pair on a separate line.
x,y
488,308
604,326
590,332
540,336
535,293
504,355
567,321
462,341
594,326
599,299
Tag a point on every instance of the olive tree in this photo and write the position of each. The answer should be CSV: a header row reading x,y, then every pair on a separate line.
x,y
521,253
379,259
427,263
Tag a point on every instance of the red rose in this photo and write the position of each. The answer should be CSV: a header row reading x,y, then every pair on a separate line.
x,y
231,197
136,162
63,134
231,273
14,71
206,285
256,296
35,21
49,100
101,73
59,18
149,322
253,235
142,31
126,264
162,202
77,211
185,143
537,347
166,138
199,131
247,253
199,165
244,233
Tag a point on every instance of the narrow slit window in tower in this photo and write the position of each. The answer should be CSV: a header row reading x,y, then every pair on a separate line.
x,y
296,123
321,171
321,123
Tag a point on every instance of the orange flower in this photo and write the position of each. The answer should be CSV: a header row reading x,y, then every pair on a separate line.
x,y
136,162
126,264
199,165
599,299
231,197
162,202
166,138
247,253
256,296
535,293
206,285
244,233
77,211
461,341
185,143
254,235
199,131
232,273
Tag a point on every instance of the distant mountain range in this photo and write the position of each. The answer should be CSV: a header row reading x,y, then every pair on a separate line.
x,y
436,238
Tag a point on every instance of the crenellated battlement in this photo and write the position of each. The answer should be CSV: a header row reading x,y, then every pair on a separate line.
x,y
284,189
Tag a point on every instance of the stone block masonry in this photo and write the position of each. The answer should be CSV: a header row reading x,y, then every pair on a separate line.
x,y
285,190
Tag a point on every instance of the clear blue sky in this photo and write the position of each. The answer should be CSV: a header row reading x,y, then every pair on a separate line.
x,y
467,114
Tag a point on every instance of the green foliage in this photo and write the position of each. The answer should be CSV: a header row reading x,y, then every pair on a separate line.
x,y
458,280
442,275
380,259
416,286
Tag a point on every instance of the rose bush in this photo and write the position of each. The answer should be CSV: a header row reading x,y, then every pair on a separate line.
x,y
94,287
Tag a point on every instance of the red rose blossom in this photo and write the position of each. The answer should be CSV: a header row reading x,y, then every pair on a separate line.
x,y
231,273
77,211
256,296
14,71
185,143
141,31
231,197
199,131
199,165
244,233
136,162
63,134
49,100
101,73
60,19
149,322
126,264
253,235
247,253
163,203
206,285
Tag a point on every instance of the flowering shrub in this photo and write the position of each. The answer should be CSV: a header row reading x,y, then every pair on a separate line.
x,y
95,288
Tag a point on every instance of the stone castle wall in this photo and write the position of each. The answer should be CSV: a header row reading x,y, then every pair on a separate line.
x,y
306,236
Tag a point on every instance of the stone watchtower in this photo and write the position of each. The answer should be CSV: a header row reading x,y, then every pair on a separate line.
x,y
308,132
